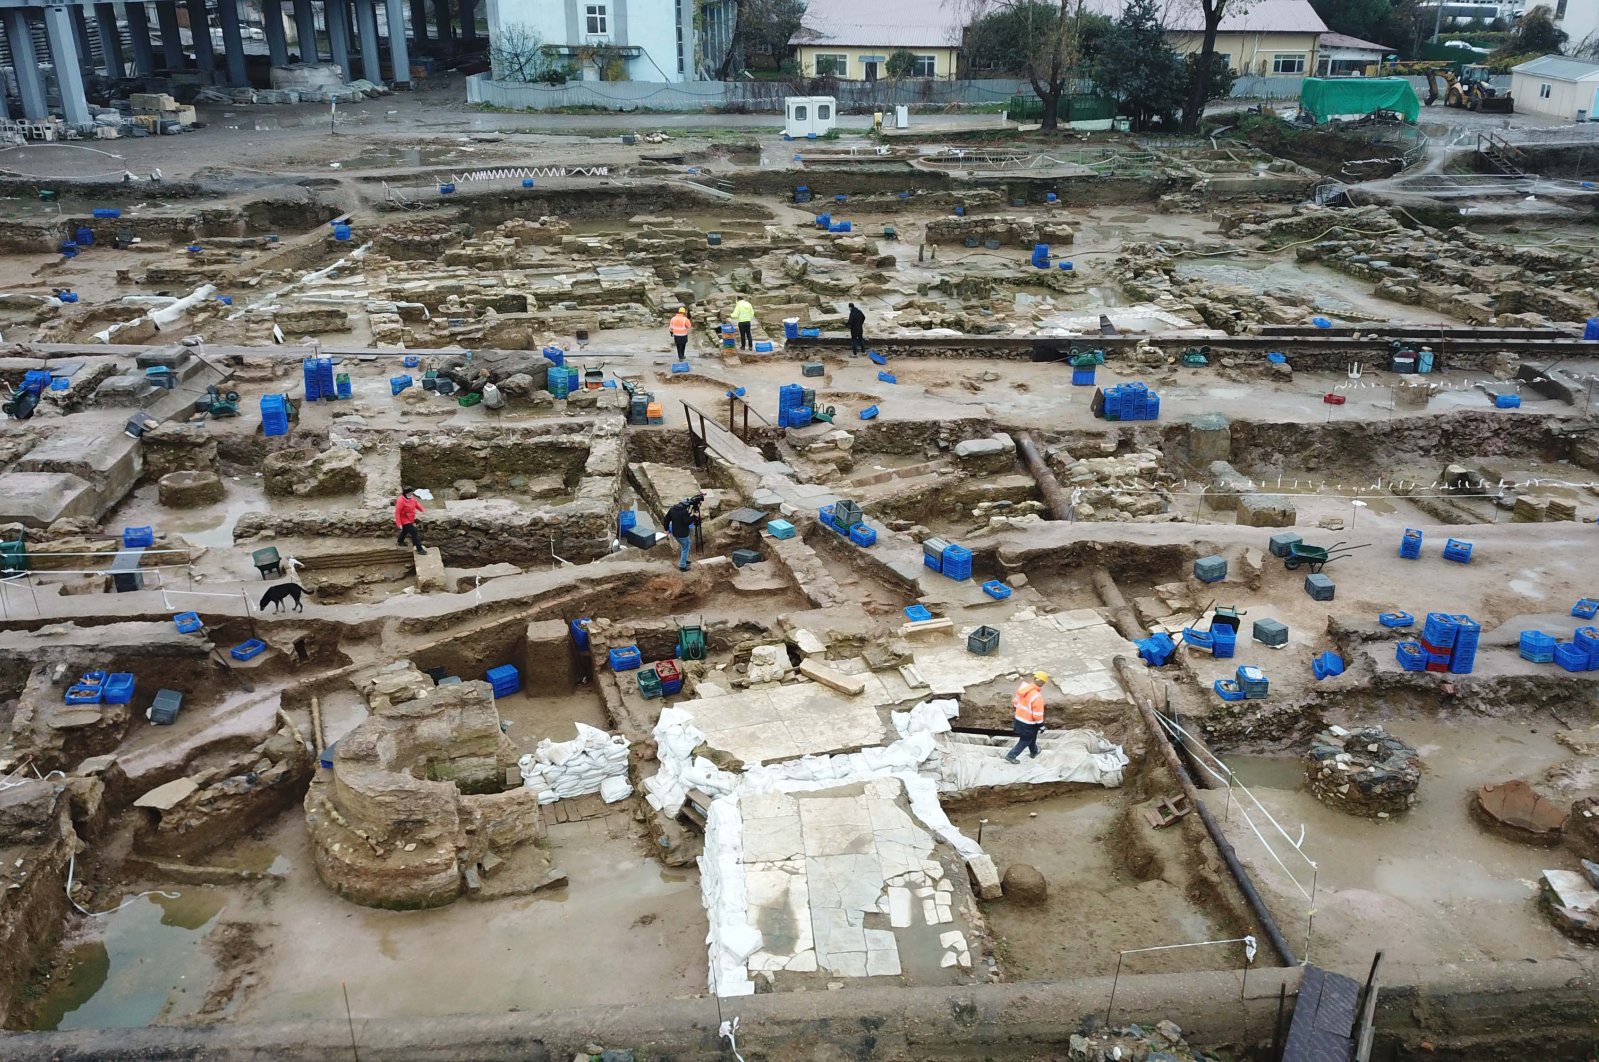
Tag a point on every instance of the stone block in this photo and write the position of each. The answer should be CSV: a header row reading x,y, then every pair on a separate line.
x,y
1266,510
551,665
430,571
985,877
853,685
985,455
1210,438
39,499
189,489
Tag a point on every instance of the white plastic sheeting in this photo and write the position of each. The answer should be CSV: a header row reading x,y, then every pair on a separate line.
x,y
970,762
561,769
926,765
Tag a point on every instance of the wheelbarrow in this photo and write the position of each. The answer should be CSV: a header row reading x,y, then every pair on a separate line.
x,y
1317,557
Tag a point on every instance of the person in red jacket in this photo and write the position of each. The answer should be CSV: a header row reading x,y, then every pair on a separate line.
x,y
405,509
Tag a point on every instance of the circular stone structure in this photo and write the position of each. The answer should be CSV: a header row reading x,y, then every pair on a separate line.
x,y
1514,809
189,488
1365,772
1024,884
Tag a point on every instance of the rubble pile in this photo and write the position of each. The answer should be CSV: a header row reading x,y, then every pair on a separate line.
x,y
1366,771
1007,229
1163,1043
1118,487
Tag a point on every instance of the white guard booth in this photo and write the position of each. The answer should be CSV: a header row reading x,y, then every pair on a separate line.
x,y
805,115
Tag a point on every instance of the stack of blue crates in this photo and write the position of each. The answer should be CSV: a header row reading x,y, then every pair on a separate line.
x,y
1410,545
790,400
561,380
956,563
1571,656
1083,377
1467,633
319,382
505,680
1131,401
1223,641
274,415
1538,647
1587,639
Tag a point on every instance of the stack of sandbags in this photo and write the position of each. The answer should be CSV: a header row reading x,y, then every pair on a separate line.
x,y
680,770
558,770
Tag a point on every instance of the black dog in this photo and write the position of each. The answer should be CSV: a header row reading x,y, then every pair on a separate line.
x,y
276,594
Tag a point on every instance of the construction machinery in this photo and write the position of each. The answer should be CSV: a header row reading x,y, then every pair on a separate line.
x,y
1465,86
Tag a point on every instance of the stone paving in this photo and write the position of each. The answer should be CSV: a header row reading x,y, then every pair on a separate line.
x,y
818,865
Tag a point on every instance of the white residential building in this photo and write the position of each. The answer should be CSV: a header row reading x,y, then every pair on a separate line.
x,y
608,40
1580,20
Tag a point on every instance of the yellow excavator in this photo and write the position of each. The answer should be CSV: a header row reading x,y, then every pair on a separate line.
x,y
1466,87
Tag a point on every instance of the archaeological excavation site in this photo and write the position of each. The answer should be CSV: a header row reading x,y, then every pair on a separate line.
x,y
432,627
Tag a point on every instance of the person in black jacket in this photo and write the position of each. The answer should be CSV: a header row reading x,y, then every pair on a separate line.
x,y
680,521
857,330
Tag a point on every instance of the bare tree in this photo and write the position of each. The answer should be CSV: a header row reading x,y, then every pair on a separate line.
x,y
517,53
1045,37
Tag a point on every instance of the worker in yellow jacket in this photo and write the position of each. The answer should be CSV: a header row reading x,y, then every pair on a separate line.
x,y
680,328
1028,704
744,315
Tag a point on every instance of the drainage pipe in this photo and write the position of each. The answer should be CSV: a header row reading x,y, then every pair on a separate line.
x,y
1059,506
1157,734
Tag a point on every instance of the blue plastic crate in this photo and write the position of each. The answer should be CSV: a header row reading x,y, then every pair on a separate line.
x,y
505,679
1458,551
1571,657
1410,656
187,622
956,563
118,688
862,536
1210,569
625,658
887,377
1410,544
1396,619
1223,642
1327,665
876,358
138,537
397,383
1439,629
935,563
779,528
680,366
917,613
1586,608
580,634
996,590
248,650
84,694
869,413
1538,646
1083,377
1156,650
554,355
763,346
1507,401
1228,690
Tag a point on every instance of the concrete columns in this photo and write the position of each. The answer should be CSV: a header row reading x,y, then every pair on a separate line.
x,y
58,27
105,23
366,17
399,57
30,82
232,41
200,32
441,13
277,39
305,31
166,16
80,37
139,34
339,34
419,20
468,20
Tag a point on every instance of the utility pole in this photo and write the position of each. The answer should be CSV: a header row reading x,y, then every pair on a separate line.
x,y
1437,21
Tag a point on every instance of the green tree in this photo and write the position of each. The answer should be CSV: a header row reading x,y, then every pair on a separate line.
x,y
517,53
1216,85
1357,18
901,64
761,26
1040,39
1535,34
1212,11
1140,69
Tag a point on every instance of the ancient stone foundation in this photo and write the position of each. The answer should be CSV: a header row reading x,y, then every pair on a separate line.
x,y
1364,772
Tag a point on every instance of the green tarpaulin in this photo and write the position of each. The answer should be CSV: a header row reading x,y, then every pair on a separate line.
x,y
1355,97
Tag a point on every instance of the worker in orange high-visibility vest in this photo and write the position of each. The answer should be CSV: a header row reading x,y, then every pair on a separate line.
x,y
680,326
1028,703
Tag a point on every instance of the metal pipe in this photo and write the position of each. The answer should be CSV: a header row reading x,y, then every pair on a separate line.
x,y
1048,485
1169,754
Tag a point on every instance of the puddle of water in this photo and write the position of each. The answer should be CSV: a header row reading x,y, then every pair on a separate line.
x,y
147,967
1267,772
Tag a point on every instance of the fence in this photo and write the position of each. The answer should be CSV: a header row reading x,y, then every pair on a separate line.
x,y
766,97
